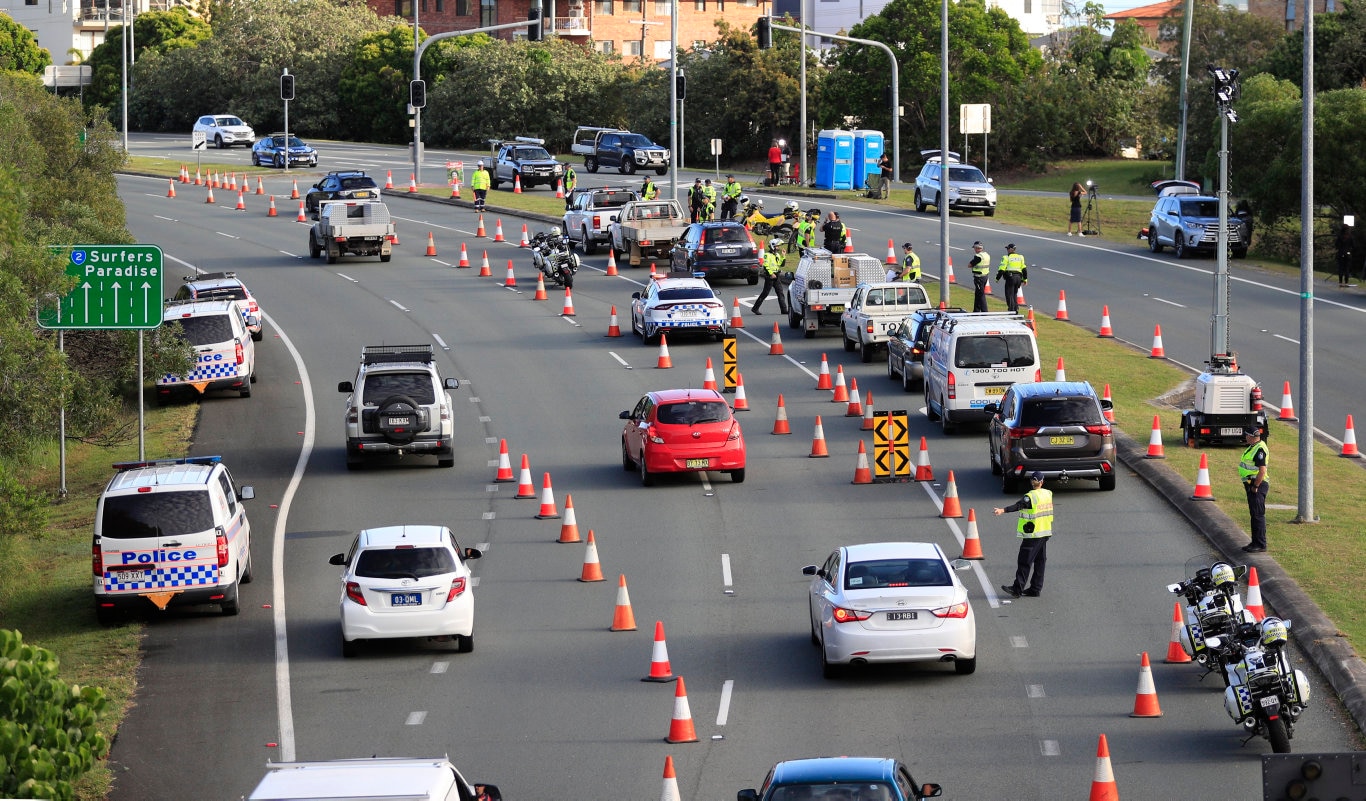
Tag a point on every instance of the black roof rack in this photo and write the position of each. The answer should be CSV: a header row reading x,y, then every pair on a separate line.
x,y
381,354
189,279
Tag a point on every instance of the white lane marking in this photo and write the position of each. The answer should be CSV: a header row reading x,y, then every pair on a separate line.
x,y
349,278
441,342
1034,690
571,321
440,666
620,360
474,582
483,546
1287,339
1050,748
483,418
490,488
167,219
760,340
1019,641
725,572
488,515
1169,302
416,718
442,263
723,713
400,306
993,599
229,236
474,399
1059,272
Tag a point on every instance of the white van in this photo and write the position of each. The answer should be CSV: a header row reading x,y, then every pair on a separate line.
x,y
973,357
375,779
170,532
224,353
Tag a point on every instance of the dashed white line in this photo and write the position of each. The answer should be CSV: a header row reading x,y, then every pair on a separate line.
x,y
400,306
488,515
723,713
1019,641
167,219
483,418
416,718
1287,339
1050,748
620,360
1059,272
1169,302
229,236
349,278
440,666
441,342
291,255
725,572
1034,691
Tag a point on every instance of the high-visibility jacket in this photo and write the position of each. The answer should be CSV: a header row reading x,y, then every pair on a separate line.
x,y
709,192
1013,263
1247,465
910,268
1040,513
479,180
649,191
806,233
571,179
981,263
773,262
731,191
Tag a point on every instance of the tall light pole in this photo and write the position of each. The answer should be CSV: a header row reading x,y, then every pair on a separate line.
x,y
673,101
943,151
1305,500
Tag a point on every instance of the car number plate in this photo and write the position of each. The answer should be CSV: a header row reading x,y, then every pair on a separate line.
x,y
729,250
838,307
131,576
902,615
1062,440
405,599
363,193
688,314
699,463
400,421
1230,432
1269,702
994,390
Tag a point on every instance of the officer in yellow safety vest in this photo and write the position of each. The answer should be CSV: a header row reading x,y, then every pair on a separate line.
x,y
981,276
709,206
1016,273
730,198
479,182
571,180
910,265
772,265
648,190
1034,528
1252,472
806,232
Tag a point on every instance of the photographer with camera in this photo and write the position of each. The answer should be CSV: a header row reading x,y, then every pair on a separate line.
x,y
1074,217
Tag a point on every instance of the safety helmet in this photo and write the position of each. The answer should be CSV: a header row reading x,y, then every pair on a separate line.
x,y
776,242
555,231
744,199
759,203
792,206
1222,573
1274,632
480,165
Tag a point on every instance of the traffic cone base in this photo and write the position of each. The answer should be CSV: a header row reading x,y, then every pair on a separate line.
x,y
170,187
498,230
1203,490
592,569
525,489
611,262
613,327
855,407
681,729
775,347
823,378
568,309
841,389
863,474
1105,329
923,472
1287,406
540,288
548,510
504,465
623,619
511,280
736,321
1155,450
1157,352
1062,305
569,530
818,448
664,362
781,425
660,669
972,541
1349,441
1145,699
431,248
741,403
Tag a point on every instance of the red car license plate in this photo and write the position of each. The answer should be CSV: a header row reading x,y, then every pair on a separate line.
x,y
699,463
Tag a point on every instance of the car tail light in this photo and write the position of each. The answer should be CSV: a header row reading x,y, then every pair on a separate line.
x,y
843,615
958,610
457,587
916,351
1038,374
953,387
240,354
96,559
221,545
353,592
653,436
1021,433
597,221
1102,430
702,242
869,327
734,432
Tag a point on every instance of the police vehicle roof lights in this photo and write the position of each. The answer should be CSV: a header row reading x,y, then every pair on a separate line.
x,y
205,460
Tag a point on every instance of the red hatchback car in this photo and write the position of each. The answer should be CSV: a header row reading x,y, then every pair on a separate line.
x,y
682,431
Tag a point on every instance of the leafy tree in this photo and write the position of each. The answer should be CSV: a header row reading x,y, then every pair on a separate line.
x,y
1339,50
18,49
374,85
153,32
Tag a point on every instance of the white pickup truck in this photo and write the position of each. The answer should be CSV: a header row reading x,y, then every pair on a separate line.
x,y
647,229
823,285
351,228
876,310
591,213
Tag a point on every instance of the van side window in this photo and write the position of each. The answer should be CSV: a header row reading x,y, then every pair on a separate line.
x,y
226,484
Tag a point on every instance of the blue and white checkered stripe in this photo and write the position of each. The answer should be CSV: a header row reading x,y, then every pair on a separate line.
x,y
208,371
163,577
708,318
1244,699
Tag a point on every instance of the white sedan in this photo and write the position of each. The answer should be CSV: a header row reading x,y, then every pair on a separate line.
x,y
891,602
678,305
406,581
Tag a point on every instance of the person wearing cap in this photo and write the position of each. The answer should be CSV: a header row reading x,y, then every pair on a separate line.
x,y
648,190
774,257
479,182
730,198
835,233
1016,273
980,264
709,202
910,264
1252,472
571,181
696,200
1034,527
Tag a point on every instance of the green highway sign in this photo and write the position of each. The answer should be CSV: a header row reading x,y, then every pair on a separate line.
x,y
117,286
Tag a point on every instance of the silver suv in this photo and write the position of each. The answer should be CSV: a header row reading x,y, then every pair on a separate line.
x,y
969,188
398,405
1189,223
1057,428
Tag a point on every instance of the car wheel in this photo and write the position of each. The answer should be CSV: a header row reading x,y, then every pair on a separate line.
x,y
929,410
628,167
245,391
1188,436
279,162
815,638
647,479
1179,246
995,465
891,374
589,247
627,463
446,462
248,574
229,606
1240,253
354,462
946,423
313,250
385,257
794,320
753,280
590,164
907,384
257,337
919,202
107,617
866,352
332,254
218,142
350,648
661,170
255,159
829,670
965,667
848,343
464,643
987,213
737,476
1107,483
1154,246
1009,486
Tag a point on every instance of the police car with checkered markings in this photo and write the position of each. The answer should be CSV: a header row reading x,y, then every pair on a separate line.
x,y
676,306
224,353
170,532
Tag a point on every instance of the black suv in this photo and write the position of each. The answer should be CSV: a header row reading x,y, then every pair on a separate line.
x,y
717,250
907,345
1057,428
341,185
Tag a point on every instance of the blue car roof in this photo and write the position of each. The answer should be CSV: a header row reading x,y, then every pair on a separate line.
x,y
797,771
1038,388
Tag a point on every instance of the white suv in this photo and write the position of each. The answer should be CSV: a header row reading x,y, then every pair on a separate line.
x,y
969,189
398,405
224,353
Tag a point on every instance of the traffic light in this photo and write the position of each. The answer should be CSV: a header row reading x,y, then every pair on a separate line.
x,y
417,94
533,31
682,87
765,33
286,87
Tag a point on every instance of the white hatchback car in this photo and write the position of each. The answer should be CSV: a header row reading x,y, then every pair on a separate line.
x,y
891,602
406,581
225,130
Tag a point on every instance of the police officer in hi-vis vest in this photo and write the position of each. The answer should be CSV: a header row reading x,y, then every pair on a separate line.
x,y
1016,273
1252,472
1034,528
981,276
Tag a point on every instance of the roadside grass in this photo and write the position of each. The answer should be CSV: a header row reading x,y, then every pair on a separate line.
x,y
1109,176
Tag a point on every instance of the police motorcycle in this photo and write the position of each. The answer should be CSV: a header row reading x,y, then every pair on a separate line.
x,y
1214,609
553,254
1264,694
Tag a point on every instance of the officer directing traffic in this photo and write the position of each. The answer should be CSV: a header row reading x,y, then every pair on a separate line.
x,y
1034,528
479,182
774,257
1016,273
981,276
1252,472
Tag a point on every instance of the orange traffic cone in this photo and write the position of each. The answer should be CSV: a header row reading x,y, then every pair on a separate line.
x,y
1155,441
954,279
271,212
1029,319
464,253
867,413
1145,700
1158,352
775,344
1103,787
592,568
412,182
780,425
184,175
455,189
736,321
891,253
209,199
952,508
559,189
653,274
516,184
863,474
664,362
548,510
1349,441
670,791
855,407
511,279
260,186
568,309
1019,297
841,389
611,262
241,201
1203,490
1061,373
301,218
818,441
1253,604
659,658
484,270
1109,411
1105,329
525,489
623,619
232,184
294,191
1176,654
923,472
1287,406
823,378
213,181
431,247
498,230
741,402
569,529
680,728
479,232
526,242
504,464
709,376
388,179
198,177
1062,305
170,190
613,328
972,542
849,242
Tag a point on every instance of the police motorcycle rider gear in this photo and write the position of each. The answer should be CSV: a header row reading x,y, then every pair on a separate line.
x,y
552,253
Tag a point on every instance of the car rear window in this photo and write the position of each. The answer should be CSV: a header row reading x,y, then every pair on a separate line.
x,y
208,329
728,235
1060,411
686,413
222,293
897,295
612,200
843,790
690,293
997,350
404,562
359,182
879,573
156,514
418,387
1199,208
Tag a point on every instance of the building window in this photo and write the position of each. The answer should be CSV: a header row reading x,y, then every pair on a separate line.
x,y
630,47
403,8
699,5
603,6
662,50
630,6
488,12
440,6
750,3
608,46
664,8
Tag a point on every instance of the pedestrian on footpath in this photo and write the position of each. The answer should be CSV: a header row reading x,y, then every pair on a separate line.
x,y
1016,273
1252,472
981,276
1034,527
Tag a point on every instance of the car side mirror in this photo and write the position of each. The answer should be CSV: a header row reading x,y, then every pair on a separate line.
x,y
246,493
253,319
345,386
991,408
810,570
624,416
451,383
1107,404
338,559
635,296
747,795
960,564
931,791
473,553
491,792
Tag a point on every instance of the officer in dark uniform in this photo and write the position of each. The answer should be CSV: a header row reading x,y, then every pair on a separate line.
x,y
981,276
1252,471
1016,273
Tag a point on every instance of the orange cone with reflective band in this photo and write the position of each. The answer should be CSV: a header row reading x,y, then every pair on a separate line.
x,y
569,529
1019,296
568,309
209,199
483,265
516,184
611,263
184,175
741,402
464,253
504,464
484,270
1145,700
1253,604
455,190
849,242
170,187
818,441
1177,655
271,212
526,242
479,232
1029,319
1349,441
709,376
198,177
680,728
1061,314
1287,406
232,184
922,465
855,407
1158,352
1109,411
867,413
431,248
659,658
388,179
972,541
664,362
260,186
241,201
891,253
781,425
511,280
1103,787
294,190
775,344
1203,490
525,489
863,474
301,218
213,180
1105,329
559,189
1061,373
1155,450
548,510
653,274
412,182
952,507
823,378
841,389
670,791
592,568
613,328
736,321
498,230
623,619
954,279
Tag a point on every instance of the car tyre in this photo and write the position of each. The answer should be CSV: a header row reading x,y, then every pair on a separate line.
x,y
946,423
107,617
245,391
249,573
628,167
332,254
1240,253
919,202
815,638
737,476
589,246
229,606
794,320
464,643
965,667
627,463
1154,246
661,170
848,343
257,337
446,462
1107,483
987,213
1179,247
830,670
1009,486
995,465
384,257
313,250
279,162
218,142
753,280
865,352
350,648
647,479
590,164
907,383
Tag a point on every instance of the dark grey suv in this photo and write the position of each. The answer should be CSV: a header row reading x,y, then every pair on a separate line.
x,y
1055,427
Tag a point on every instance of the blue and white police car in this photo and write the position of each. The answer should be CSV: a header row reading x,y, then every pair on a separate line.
x,y
678,305
224,353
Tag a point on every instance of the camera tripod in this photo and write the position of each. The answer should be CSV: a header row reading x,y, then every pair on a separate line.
x,y
1090,218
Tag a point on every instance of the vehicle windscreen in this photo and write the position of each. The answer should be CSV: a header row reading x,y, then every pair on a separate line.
x,y
686,413
209,329
1060,412
222,293
687,293
896,573
156,514
294,141
841,791
994,350
1199,208
636,140
226,121
404,562
417,387
612,200
968,175
531,153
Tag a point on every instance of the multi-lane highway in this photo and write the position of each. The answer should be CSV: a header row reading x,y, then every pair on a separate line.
x,y
550,703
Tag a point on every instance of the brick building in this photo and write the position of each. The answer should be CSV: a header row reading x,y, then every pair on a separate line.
x,y
1289,13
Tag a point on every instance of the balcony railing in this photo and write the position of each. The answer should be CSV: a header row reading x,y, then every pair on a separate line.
x,y
572,26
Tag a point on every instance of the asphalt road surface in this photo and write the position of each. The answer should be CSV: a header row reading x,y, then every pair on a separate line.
x,y
550,702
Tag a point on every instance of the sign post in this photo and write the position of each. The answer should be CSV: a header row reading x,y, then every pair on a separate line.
x,y
716,151
199,142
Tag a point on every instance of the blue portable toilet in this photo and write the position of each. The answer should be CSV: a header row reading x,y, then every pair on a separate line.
x,y
868,148
844,161
834,160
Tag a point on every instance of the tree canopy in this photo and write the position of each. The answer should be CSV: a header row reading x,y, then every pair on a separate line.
x,y
19,51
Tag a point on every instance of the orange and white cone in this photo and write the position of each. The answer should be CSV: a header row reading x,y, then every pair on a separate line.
x,y
548,510
741,402
484,264
849,242
464,252
923,472
1061,314
818,448
664,362
1155,450
623,619
1145,700
1287,406
1176,654
613,327
670,791
592,568
567,310
498,230
823,378
680,728
569,529
780,424
1109,411
611,262
198,177
232,184
653,274
301,218
1105,329
525,489
972,541
479,231
855,407
1203,490
388,179
775,344
709,376
891,253
659,658
1349,441
863,474
431,246
954,279
516,184
952,507
213,181
170,187
1158,352
455,189
1019,297
184,175
867,413
260,186
1029,319
736,321
1253,603
412,182
1061,373
1103,787
841,389
526,241
294,190
241,201
504,464
209,199
272,212
511,280
559,189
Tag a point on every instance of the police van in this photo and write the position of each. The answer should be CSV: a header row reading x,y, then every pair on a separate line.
x,y
972,358
373,779
170,532
224,353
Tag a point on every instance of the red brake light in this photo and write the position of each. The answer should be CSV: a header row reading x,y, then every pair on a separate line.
x,y
1102,430
1038,374
96,560
703,241
221,545
240,354
952,387
597,221
958,610
869,328
734,432
1021,433
843,615
353,592
457,587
